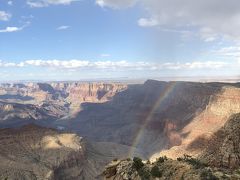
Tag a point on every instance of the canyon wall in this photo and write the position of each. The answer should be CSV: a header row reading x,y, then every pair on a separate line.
x,y
166,117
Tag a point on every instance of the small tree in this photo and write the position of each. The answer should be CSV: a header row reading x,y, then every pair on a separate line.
x,y
155,172
144,174
161,159
137,163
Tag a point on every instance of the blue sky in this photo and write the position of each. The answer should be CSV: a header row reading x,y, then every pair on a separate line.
x,y
112,39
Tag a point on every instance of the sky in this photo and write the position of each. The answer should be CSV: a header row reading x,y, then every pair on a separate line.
x,y
118,39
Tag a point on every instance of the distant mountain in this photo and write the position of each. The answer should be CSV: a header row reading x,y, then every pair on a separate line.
x,y
44,103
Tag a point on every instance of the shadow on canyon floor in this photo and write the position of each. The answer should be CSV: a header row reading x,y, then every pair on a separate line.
x,y
148,116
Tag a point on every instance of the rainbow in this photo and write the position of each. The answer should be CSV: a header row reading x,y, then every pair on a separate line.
x,y
169,88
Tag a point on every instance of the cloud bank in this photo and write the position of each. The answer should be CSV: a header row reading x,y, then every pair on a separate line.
x,y
116,65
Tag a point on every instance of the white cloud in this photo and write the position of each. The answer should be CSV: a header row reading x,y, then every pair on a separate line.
x,y
116,4
116,65
232,51
4,16
45,3
63,27
220,17
10,3
57,63
11,29
148,22
10,64
196,65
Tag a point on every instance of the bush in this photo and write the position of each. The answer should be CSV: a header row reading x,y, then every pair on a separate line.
x,y
207,174
137,163
162,159
180,159
155,172
194,162
144,174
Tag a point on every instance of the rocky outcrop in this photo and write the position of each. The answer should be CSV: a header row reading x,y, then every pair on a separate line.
x,y
15,114
121,170
34,152
159,170
223,149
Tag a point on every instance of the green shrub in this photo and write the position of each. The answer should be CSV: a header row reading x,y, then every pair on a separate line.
x,y
194,162
162,159
144,174
207,174
180,159
155,172
137,163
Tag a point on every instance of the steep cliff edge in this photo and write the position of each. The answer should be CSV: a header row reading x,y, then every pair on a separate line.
x,y
223,149
195,136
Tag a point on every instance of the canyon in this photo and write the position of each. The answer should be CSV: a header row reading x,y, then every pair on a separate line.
x,y
104,121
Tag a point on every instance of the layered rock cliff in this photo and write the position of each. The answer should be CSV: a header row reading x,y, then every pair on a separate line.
x,y
158,116
50,101
196,134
